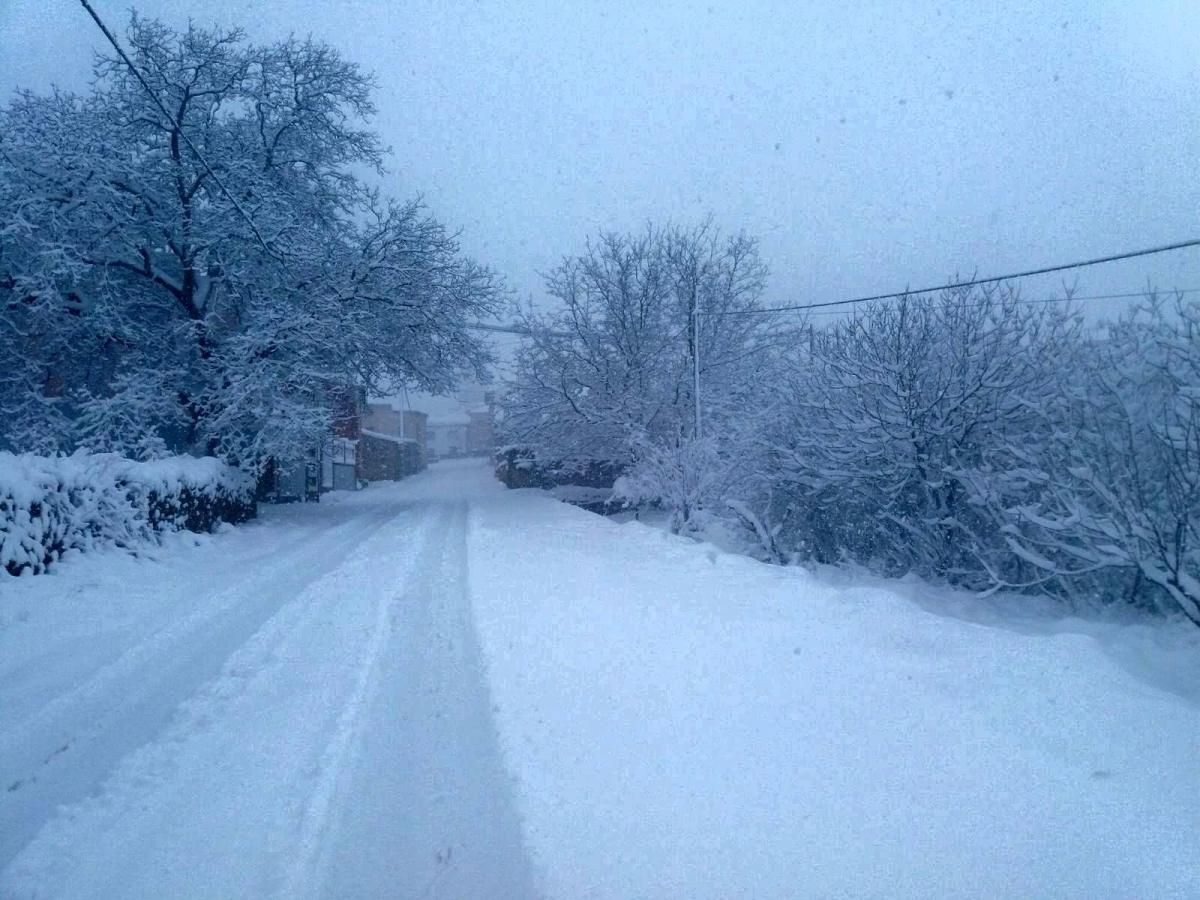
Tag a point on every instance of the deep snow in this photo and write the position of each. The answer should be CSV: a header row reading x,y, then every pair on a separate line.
x,y
689,723
300,707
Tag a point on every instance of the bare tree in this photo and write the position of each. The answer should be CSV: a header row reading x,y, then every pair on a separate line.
x,y
610,374
891,414
158,295
1112,502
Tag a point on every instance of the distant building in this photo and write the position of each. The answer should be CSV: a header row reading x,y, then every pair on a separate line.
x,y
393,441
389,416
448,434
481,440
449,426
461,424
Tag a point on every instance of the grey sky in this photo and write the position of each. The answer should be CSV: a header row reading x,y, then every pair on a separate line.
x,y
868,145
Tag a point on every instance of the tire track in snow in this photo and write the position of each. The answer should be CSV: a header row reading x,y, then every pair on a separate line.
x,y
346,748
311,854
63,753
243,749
429,809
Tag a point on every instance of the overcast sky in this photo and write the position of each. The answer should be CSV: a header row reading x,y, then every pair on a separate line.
x,y
869,146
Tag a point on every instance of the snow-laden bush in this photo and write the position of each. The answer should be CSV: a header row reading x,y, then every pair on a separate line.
x,y
612,367
1109,504
974,439
49,505
607,384
892,416
684,478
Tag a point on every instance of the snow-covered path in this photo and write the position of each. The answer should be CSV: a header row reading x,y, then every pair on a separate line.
x,y
445,689
293,709
428,810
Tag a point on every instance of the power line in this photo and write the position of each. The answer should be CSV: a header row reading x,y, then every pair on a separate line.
x,y
895,295
522,331
175,124
1067,299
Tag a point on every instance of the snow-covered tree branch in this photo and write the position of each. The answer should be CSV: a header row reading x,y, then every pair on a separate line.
x,y
155,297
610,372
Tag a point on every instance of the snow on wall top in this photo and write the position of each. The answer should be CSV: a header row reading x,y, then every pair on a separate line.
x,y
379,435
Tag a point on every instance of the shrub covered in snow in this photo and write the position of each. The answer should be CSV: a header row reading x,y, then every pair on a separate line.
x,y
522,467
974,439
49,505
891,413
607,381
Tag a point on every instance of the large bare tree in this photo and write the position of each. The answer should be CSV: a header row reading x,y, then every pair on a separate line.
x,y
195,274
611,371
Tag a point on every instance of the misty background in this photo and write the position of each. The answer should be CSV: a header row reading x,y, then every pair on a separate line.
x,y
869,146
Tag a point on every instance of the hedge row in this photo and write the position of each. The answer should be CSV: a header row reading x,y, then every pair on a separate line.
x,y
49,505
586,483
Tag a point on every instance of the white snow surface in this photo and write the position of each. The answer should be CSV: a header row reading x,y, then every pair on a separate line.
x,y
292,708
439,688
688,723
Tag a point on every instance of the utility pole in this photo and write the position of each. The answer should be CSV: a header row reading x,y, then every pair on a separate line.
x,y
696,357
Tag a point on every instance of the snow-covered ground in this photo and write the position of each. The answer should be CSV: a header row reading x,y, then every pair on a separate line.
x,y
688,723
301,707
292,708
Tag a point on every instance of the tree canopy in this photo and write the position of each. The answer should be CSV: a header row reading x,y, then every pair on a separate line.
x,y
203,277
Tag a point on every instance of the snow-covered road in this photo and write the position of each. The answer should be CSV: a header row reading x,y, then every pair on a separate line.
x,y
444,689
296,708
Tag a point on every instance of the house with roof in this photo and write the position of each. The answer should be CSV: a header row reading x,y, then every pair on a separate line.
x,y
453,425
392,445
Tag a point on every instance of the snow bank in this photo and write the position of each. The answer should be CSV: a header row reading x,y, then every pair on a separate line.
x,y
687,723
49,505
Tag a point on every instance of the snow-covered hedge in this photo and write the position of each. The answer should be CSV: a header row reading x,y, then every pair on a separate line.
x,y
49,505
522,467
